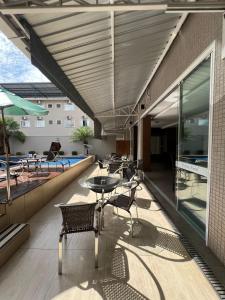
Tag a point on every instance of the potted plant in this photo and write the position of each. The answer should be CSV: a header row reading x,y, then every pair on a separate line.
x,y
19,153
82,134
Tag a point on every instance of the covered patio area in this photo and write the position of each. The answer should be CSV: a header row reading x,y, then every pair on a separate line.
x,y
152,265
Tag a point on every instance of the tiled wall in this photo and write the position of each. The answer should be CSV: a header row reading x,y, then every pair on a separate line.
x,y
197,33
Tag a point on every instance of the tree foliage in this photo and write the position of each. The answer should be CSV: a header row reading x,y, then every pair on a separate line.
x,y
82,134
12,129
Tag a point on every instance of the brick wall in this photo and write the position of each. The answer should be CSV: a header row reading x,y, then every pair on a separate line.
x,y
197,33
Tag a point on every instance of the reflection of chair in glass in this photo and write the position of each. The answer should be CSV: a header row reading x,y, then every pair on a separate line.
x,y
78,218
186,152
199,152
197,180
124,202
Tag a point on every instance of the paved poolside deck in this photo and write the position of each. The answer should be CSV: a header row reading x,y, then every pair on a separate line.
x,y
152,265
27,181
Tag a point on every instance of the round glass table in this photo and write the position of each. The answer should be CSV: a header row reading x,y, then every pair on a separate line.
x,y
102,184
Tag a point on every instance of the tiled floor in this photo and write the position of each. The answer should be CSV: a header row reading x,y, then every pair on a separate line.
x,y
152,265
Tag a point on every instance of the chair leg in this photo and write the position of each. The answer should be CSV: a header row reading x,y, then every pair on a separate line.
x,y
60,255
136,210
102,219
99,216
131,224
96,249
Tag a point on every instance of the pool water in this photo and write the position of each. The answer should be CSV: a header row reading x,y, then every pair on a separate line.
x,y
64,160
70,160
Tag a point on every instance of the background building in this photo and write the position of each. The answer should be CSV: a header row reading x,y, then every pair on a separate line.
x,y
63,118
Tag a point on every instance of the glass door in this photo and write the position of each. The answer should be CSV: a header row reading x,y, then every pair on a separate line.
x,y
192,160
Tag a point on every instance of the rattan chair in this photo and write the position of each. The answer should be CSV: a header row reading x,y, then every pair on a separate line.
x,y
101,165
78,218
114,166
125,202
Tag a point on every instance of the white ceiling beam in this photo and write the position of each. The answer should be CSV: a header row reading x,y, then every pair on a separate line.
x,y
78,8
123,110
113,55
117,116
212,6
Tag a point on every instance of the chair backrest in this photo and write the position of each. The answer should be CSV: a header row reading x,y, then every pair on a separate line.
x,y
115,156
77,218
129,173
100,163
140,164
114,166
53,151
132,193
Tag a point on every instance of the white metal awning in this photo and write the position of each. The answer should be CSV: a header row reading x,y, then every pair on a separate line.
x,y
108,56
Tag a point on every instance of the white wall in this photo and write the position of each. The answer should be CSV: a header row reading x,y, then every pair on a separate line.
x,y
40,144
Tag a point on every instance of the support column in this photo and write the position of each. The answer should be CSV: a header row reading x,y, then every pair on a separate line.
x,y
135,142
146,143
140,140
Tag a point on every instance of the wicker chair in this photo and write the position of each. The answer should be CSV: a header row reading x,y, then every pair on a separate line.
x,y
77,218
101,165
114,166
125,202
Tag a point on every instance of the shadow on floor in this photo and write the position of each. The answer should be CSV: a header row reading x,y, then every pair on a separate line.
x,y
148,238
111,281
143,203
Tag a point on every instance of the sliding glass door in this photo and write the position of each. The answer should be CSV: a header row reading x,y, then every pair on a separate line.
x,y
192,159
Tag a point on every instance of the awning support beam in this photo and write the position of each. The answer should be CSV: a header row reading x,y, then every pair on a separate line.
x,y
30,7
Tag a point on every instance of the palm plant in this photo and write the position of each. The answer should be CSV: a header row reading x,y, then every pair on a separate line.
x,y
82,134
12,130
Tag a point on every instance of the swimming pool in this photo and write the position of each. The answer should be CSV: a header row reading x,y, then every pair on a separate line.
x,y
65,160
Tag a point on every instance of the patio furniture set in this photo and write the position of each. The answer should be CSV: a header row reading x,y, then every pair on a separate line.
x,y
33,163
90,217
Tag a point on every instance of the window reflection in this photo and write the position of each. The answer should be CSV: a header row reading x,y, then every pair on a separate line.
x,y
192,163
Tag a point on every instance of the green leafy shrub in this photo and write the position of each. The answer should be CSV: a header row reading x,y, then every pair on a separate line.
x,y
61,152
19,153
45,152
12,129
82,134
74,152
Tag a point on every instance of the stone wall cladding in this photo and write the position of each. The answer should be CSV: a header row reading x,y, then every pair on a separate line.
x,y
196,34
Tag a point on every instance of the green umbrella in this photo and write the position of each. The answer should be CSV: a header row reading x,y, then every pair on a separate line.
x,y
11,104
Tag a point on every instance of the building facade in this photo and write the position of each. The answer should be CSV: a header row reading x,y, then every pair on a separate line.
x,y
63,118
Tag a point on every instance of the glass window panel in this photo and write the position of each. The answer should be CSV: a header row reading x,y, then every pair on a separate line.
x,y
69,107
40,123
192,163
25,123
